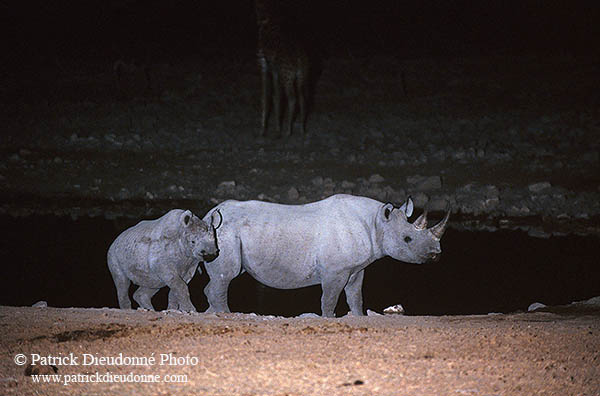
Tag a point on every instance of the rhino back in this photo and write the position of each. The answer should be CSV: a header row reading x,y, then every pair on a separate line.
x,y
290,246
142,250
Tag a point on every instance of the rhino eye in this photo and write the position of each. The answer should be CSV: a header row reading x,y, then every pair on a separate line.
x,y
407,239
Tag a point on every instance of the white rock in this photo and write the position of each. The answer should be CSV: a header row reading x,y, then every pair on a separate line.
x,y
227,184
308,315
376,178
397,309
538,187
40,304
373,313
535,306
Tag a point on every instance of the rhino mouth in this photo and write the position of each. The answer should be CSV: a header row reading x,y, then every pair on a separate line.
x,y
434,257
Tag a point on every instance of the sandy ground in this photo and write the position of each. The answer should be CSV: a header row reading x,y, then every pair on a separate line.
x,y
540,353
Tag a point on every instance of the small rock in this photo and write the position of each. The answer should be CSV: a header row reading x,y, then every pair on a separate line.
x,y
376,178
373,313
535,232
538,187
592,301
227,184
491,191
308,315
40,304
293,194
535,306
397,309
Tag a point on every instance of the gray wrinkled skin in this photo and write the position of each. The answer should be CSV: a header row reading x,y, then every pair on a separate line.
x,y
329,242
162,252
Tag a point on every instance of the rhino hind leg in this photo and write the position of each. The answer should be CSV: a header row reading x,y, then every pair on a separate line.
x,y
121,284
353,292
143,296
173,302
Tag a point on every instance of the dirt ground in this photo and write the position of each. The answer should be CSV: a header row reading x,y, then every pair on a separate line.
x,y
541,353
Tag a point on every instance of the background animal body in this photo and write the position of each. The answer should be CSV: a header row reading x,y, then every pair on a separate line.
x,y
329,242
284,63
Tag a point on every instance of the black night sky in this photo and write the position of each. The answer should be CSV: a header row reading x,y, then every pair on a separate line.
x,y
89,29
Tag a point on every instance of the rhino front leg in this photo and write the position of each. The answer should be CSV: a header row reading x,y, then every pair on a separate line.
x,y
143,296
354,293
332,287
216,294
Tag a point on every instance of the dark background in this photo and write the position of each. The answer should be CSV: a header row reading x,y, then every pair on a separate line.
x,y
159,30
63,262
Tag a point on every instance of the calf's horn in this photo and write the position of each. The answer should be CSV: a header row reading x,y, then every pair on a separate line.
x,y
439,229
421,221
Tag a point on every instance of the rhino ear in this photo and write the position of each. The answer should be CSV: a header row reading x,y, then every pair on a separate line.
x,y
408,207
386,211
186,217
216,219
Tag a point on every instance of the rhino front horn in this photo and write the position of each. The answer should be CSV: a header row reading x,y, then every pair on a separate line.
x,y
439,229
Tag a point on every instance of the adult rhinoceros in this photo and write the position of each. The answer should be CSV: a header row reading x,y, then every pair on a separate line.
x,y
329,242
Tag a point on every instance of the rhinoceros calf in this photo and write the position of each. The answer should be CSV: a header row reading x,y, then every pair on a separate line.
x,y
162,252
329,242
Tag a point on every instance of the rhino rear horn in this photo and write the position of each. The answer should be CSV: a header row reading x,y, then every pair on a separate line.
x,y
421,221
407,207
439,229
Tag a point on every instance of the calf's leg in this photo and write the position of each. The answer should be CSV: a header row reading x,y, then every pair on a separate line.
x,y
143,296
121,284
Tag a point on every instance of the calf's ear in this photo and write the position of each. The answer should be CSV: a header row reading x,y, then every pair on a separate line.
x,y
186,217
386,211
